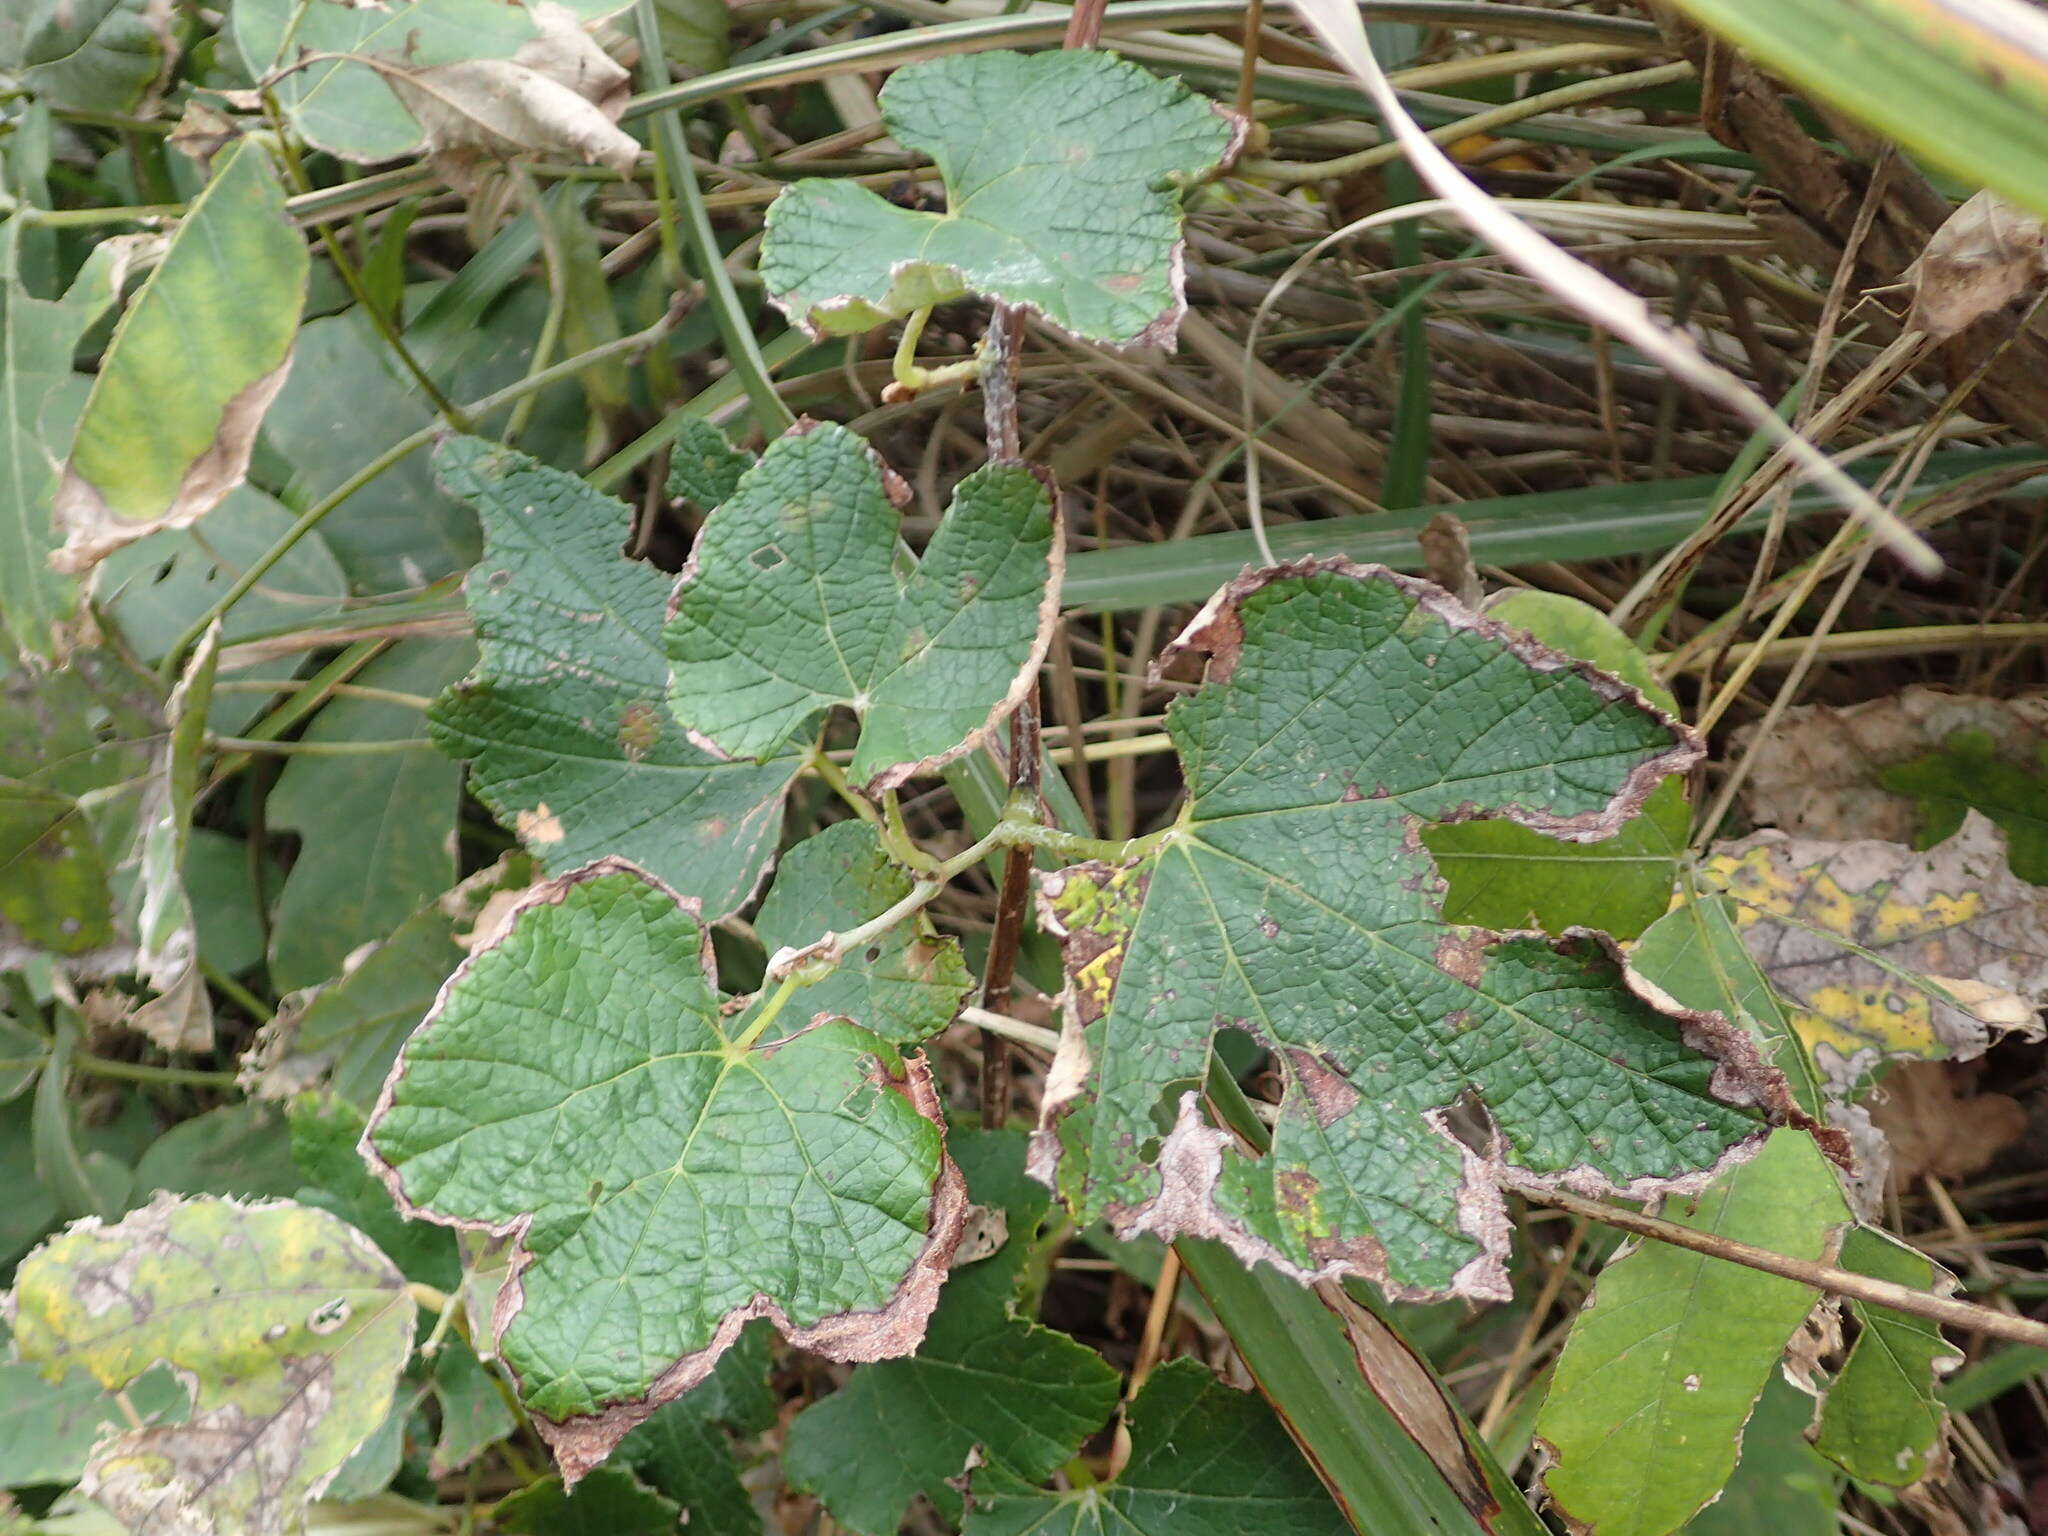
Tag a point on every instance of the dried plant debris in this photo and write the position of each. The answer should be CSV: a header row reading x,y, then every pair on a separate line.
x,y
1294,901
1888,952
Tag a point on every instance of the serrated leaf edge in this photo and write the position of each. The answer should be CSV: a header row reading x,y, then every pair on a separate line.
x,y
584,1441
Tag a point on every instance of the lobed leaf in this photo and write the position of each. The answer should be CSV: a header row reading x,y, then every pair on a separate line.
x,y
575,1091
566,718
1344,707
1063,176
796,597
287,1325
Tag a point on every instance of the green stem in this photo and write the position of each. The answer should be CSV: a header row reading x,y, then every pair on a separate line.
x,y
905,369
896,839
137,1072
835,780
744,1042
320,748
558,295
742,350
312,517
240,995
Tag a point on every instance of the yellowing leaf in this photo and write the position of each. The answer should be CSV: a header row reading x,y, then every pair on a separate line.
x,y
1888,952
288,1326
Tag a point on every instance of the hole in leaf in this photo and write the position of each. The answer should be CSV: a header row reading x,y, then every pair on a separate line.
x,y
766,558
874,953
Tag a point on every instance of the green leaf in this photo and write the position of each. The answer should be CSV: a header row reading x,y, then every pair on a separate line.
x,y
795,599
574,1088
53,881
1647,1404
1781,1484
1023,1396
1968,774
1205,1461
473,1412
1883,1421
1063,176
235,1149
378,834
566,716
48,1428
1343,708
1505,876
608,1502
26,1046
290,1327
910,982
40,399
1964,89
196,360
100,55
324,1133
703,466
683,1452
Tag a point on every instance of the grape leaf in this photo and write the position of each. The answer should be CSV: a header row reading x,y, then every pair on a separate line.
x,y
1063,174
910,982
1205,1461
683,1452
566,716
287,1325
610,1502
703,466
575,1090
1882,1420
1344,707
1645,1411
1023,1395
795,599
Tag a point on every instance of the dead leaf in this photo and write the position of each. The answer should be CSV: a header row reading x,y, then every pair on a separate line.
x,y
1859,936
1935,1128
1986,255
1816,773
203,132
559,94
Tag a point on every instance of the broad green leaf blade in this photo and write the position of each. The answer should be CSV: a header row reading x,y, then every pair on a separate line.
x,y
1964,85
1970,774
608,1502
325,1132
53,881
1063,176
704,468
683,1452
984,1380
566,716
805,1181
794,600
1343,708
99,55
196,360
1661,1370
234,1149
1205,1461
376,842
908,984
1883,1421
40,399
289,1325
1781,1485
48,1428
1505,876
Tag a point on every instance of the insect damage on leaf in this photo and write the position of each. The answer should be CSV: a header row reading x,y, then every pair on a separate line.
x,y
795,598
288,1326
1345,707
566,716
575,1089
1063,174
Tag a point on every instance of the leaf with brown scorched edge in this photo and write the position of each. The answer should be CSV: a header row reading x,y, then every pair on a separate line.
x,y
684,1452
609,1502
796,597
1820,772
287,1325
1883,1421
1969,774
1344,708
1063,177
1206,1460
559,95
194,363
567,718
1887,952
1645,1411
804,1180
910,982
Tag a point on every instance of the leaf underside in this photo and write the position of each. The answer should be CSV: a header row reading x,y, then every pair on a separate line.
x,y
797,598
1060,172
575,1087
1344,708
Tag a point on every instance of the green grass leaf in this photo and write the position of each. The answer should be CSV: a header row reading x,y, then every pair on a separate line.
x,y
567,718
1343,709
1063,174
795,600
575,1088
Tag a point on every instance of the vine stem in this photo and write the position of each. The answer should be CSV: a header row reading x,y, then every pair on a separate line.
x,y
1821,1277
